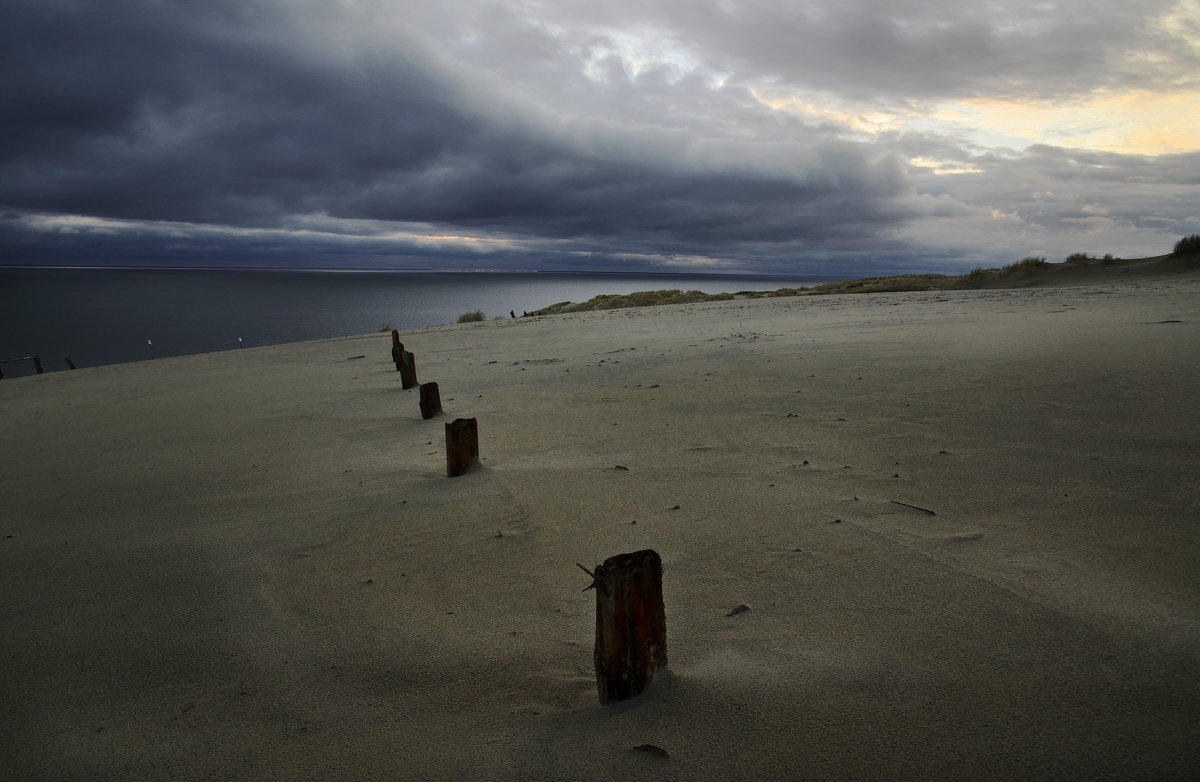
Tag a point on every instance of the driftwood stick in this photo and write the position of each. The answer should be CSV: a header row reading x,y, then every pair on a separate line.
x,y
631,625
462,445
914,507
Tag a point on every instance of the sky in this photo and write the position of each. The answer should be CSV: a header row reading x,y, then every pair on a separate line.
x,y
834,137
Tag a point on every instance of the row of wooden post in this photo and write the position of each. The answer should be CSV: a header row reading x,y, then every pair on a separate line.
x,y
631,626
37,364
462,434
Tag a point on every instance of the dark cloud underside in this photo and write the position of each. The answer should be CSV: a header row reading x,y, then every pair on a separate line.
x,y
497,122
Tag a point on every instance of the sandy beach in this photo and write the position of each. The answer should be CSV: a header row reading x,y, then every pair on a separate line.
x,y
964,524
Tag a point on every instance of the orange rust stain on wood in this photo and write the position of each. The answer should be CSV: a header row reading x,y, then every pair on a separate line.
x,y
631,626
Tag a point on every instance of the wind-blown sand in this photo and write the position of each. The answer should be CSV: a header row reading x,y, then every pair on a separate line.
x,y
250,565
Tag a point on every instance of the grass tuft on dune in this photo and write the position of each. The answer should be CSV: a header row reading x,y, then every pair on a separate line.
x,y
639,299
1033,271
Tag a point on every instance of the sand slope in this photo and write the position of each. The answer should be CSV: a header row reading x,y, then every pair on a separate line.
x,y
250,565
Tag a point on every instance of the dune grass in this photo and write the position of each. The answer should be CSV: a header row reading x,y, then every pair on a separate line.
x,y
1019,272
614,301
893,284
471,317
1188,247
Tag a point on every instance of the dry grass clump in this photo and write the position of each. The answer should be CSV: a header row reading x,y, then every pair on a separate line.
x,y
1029,264
1020,273
772,294
1083,259
471,317
980,276
894,284
1188,246
612,301
976,278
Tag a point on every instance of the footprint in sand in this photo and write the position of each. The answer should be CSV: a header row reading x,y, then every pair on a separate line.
x,y
944,536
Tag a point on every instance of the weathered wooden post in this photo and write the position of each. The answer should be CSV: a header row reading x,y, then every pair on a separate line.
x,y
70,363
631,625
397,348
408,370
462,445
431,400
37,363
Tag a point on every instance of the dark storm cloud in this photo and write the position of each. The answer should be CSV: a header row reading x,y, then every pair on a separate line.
x,y
225,130
208,113
139,112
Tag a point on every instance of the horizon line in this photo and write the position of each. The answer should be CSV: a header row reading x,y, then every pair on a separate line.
x,y
418,270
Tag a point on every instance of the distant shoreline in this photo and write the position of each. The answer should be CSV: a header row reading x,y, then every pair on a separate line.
x,y
1029,273
105,316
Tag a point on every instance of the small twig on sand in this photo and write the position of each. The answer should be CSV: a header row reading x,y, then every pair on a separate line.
x,y
914,507
654,749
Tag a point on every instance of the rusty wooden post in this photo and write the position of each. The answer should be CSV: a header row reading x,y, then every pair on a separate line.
x,y
631,625
431,400
462,445
408,370
397,348
37,363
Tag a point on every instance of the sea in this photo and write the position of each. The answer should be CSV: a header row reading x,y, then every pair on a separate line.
x,y
95,316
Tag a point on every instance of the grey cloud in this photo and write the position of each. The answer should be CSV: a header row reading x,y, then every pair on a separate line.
x,y
537,130
181,117
928,49
132,115
1053,201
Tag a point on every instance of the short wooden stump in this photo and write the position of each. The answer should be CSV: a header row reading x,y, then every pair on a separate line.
x,y
631,624
462,445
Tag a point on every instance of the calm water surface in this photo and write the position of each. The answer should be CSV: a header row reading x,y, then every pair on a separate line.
x,y
106,316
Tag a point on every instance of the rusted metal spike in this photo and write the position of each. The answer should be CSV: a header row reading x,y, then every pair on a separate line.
x,y
593,575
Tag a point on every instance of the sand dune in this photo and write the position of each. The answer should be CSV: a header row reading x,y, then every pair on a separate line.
x,y
250,565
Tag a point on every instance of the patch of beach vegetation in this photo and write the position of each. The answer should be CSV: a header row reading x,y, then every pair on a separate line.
x,y
894,284
1188,247
614,301
1013,275
981,276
